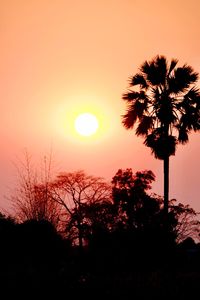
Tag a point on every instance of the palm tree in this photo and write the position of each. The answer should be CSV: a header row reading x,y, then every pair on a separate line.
x,y
164,103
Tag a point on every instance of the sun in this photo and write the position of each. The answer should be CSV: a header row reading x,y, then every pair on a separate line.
x,y
86,124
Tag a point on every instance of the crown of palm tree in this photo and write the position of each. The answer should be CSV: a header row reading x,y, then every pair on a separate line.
x,y
166,107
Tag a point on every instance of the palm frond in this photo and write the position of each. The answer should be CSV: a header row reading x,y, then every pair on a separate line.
x,y
186,121
183,135
132,95
145,124
129,119
161,68
140,107
172,65
193,96
191,118
182,79
196,121
145,68
155,71
160,145
139,79
135,111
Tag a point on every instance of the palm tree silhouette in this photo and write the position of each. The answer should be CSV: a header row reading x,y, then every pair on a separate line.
x,y
164,103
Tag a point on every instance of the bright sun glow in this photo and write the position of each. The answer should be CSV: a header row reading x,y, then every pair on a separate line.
x,y
86,124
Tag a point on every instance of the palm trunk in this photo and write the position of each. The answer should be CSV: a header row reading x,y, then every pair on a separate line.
x,y
166,177
166,187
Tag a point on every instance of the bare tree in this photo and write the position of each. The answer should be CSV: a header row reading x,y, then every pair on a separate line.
x,y
32,198
187,222
73,191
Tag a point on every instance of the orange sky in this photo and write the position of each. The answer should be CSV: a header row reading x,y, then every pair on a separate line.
x,y
60,55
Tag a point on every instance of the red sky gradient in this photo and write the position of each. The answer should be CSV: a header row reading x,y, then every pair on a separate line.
x,y
59,56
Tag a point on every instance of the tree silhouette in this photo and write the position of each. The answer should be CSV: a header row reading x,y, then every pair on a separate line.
x,y
131,198
166,108
187,223
73,192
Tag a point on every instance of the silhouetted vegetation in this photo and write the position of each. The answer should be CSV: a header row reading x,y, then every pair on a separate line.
x,y
125,251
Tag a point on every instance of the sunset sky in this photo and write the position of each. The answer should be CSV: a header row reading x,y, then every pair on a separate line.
x,y
60,58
